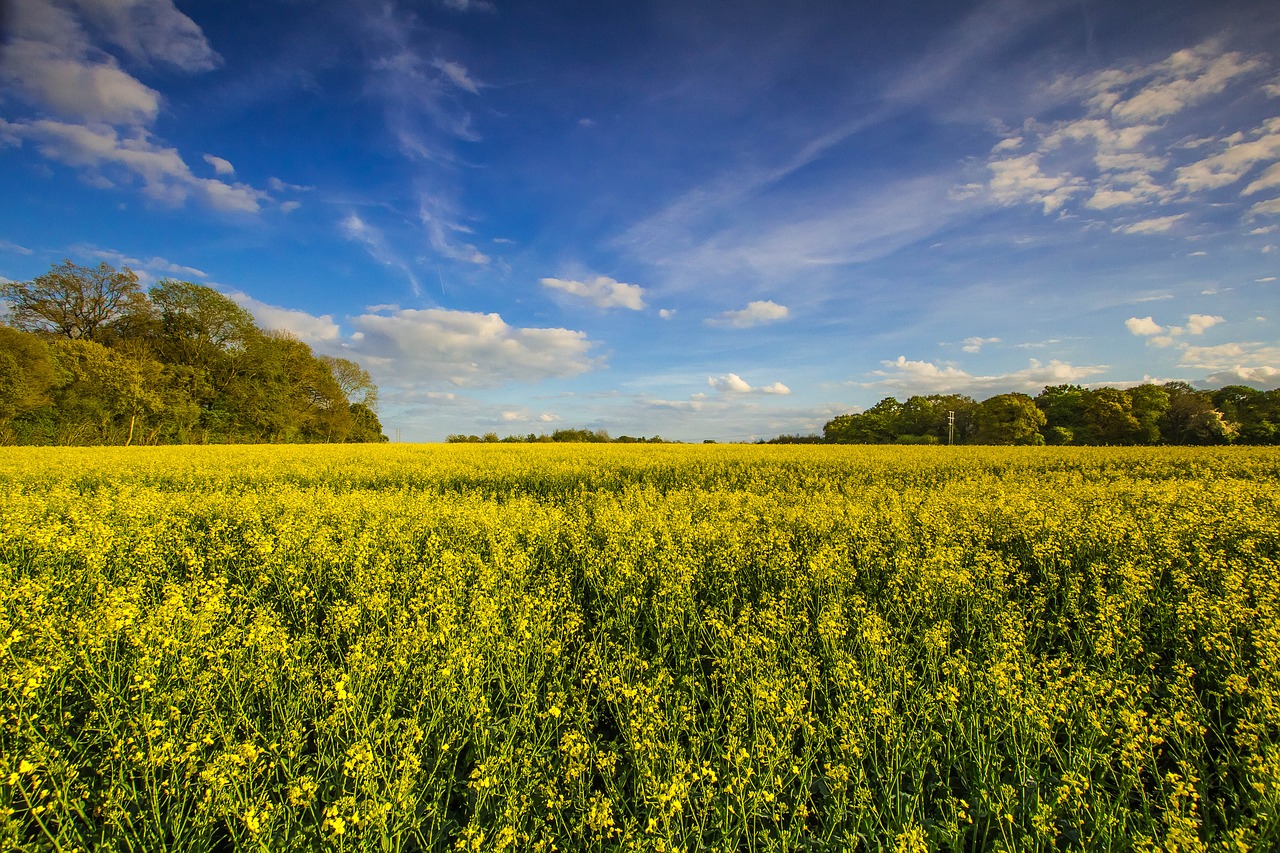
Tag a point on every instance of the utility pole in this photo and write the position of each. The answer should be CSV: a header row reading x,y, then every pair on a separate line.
x,y
951,428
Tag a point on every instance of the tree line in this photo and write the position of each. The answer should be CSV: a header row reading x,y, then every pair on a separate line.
x,y
560,436
87,357
1169,413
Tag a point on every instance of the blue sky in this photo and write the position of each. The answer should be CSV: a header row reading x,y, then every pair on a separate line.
x,y
719,220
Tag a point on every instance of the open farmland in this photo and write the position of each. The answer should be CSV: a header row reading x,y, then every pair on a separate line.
x,y
539,647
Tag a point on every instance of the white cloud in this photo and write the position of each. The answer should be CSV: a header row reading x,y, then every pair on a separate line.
x,y
1104,199
54,62
666,313
151,30
601,291
1157,225
439,219
413,347
755,314
975,344
923,377
1162,336
74,88
1263,376
94,116
1266,208
457,75
1186,78
732,383
314,330
220,166
1197,323
1128,115
1020,180
1235,160
7,246
1145,326
356,229
1267,180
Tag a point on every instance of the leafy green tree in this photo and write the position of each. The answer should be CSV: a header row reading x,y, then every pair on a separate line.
x,y
877,425
1063,407
1008,419
1148,404
199,326
106,394
365,426
354,380
930,416
1255,413
27,376
1192,419
72,301
1108,418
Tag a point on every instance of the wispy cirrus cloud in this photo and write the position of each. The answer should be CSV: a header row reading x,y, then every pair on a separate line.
x,y
354,228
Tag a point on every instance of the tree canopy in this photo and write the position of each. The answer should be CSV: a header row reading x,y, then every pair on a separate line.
x,y
1172,413
90,359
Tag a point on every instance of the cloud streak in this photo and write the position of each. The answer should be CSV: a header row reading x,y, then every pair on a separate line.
x,y
601,291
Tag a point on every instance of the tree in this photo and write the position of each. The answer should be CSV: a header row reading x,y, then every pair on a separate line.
x,y
1008,419
1148,403
365,425
1108,418
199,325
354,381
877,425
72,301
1255,413
1063,407
1192,418
27,376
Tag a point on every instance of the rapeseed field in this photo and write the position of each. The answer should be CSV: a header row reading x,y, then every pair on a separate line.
x,y
656,648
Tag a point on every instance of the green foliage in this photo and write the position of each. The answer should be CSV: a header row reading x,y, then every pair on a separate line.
x,y
104,364
1173,413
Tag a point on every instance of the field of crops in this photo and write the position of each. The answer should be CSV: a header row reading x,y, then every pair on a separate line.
x,y
541,647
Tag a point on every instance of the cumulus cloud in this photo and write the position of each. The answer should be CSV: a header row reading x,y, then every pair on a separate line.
x,y
755,314
1144,326
1263,376
1168,336
732,383
433,346
314,330
924,377
601,291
